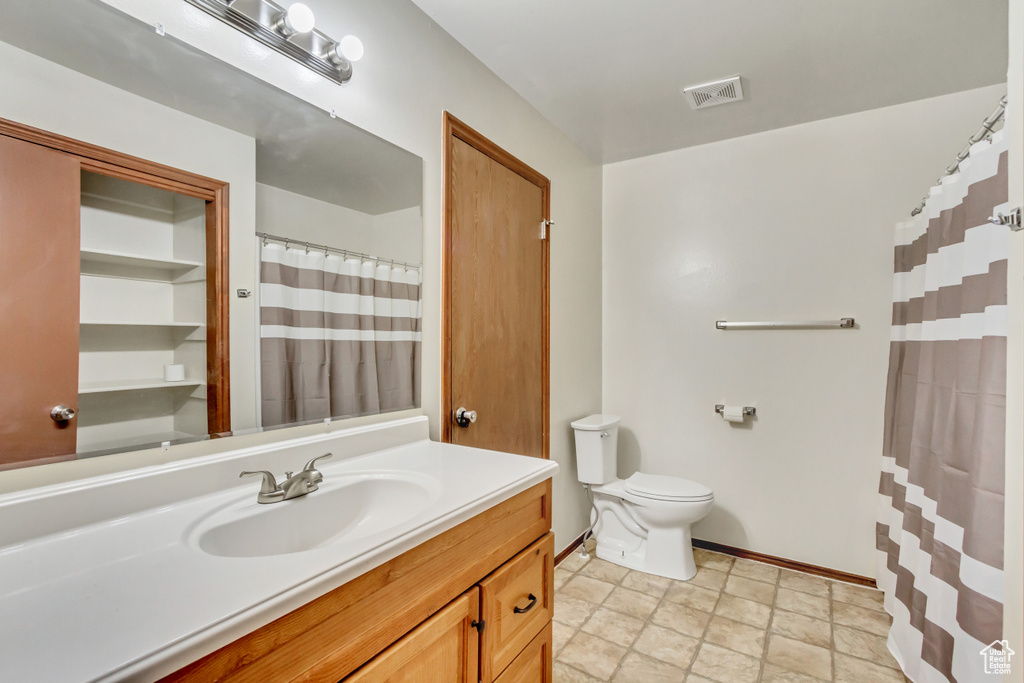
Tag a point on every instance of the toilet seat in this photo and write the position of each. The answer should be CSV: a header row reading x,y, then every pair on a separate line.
x,y
661,487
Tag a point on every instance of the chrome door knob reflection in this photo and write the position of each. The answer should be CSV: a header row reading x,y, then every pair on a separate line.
x,y
62,413
464,417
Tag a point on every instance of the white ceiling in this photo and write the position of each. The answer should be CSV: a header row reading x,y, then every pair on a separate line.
x,y
610,73
298,146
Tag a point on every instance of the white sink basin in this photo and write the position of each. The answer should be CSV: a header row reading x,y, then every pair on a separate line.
x,y
348,507
132,575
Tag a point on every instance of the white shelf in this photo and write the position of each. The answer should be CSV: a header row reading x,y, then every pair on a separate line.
x,y
136,261
106,446
109,386
130,323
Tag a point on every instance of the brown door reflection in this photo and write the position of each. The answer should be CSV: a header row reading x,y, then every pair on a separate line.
x,y
39,300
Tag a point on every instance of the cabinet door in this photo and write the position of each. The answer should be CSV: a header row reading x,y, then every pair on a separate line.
x,y
443,649
39,299
533,665
517,602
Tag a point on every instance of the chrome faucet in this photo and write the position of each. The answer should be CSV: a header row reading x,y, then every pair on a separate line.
x,y
306,481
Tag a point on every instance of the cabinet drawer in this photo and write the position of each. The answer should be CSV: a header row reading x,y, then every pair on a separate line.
x,y
516,603
533,665
443,649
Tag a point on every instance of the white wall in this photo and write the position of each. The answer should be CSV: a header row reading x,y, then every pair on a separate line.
x,y
394,235
284,213
411,73
399,235
1013,616
792,224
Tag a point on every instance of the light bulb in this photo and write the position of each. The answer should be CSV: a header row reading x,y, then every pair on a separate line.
x,y
351,48
297,19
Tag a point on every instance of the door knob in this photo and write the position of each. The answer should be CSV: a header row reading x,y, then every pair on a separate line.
x,y
62,413
463,417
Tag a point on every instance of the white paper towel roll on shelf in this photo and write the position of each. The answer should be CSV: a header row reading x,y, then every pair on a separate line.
x,y
732,413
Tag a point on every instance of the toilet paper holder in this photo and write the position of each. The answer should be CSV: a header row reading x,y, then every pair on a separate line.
x,y
747,410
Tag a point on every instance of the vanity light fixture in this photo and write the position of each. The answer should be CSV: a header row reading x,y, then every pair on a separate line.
x,y
348,49
296,19
341,54
291,32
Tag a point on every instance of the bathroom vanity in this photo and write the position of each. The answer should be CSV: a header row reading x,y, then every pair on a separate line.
x,y
431,560
453,609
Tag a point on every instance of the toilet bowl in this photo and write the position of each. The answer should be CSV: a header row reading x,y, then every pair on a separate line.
x,y
642,522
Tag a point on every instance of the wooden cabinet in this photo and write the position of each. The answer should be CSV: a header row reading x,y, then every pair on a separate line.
x,y
443,648
405,619
533,665
517,602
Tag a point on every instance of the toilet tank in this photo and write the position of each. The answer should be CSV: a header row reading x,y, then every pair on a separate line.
x,y
597,438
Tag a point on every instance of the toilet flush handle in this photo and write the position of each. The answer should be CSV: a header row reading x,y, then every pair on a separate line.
x,y
604,434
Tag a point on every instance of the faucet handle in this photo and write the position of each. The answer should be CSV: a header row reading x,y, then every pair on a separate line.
x,y
269,483
310,465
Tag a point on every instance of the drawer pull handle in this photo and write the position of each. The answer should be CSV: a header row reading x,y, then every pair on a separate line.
x,y
523,610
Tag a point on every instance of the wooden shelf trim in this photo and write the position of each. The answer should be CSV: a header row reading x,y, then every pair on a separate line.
x,y
117,164
330,637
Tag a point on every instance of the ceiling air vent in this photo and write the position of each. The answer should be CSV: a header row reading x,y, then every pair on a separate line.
x,y
715,93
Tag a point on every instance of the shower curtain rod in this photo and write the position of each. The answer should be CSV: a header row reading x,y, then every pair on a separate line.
x,y
983,132
324,248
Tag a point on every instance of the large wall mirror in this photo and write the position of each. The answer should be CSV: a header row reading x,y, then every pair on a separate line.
x,y
305,250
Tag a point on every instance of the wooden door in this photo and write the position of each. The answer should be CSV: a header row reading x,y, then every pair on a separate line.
x,y
39,300
443,649
496,303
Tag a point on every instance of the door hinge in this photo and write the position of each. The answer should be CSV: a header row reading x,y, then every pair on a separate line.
x,y
544,225
478,625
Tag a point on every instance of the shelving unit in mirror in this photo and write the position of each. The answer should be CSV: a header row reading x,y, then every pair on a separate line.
x,y
143,295
97,261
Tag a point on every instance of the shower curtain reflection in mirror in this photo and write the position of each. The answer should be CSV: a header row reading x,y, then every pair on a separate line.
x,y
339,336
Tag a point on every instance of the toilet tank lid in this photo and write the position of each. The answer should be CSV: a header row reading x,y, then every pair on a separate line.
x,y
593,423
667,488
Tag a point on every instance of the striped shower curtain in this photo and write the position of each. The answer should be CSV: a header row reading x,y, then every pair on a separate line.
x,y
940,528
339,337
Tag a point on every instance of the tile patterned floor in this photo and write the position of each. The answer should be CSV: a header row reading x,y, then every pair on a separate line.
x,y
736,621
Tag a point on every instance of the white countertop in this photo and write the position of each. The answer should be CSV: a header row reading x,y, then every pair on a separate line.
x,y
135,598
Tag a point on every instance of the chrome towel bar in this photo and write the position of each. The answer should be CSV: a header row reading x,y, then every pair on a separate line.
x,y
842,322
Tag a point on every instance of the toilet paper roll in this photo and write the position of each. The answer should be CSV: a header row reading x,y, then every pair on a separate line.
x,y
732,413
174,372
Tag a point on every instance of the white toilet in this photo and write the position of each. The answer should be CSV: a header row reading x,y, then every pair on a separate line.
x,y
643,522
